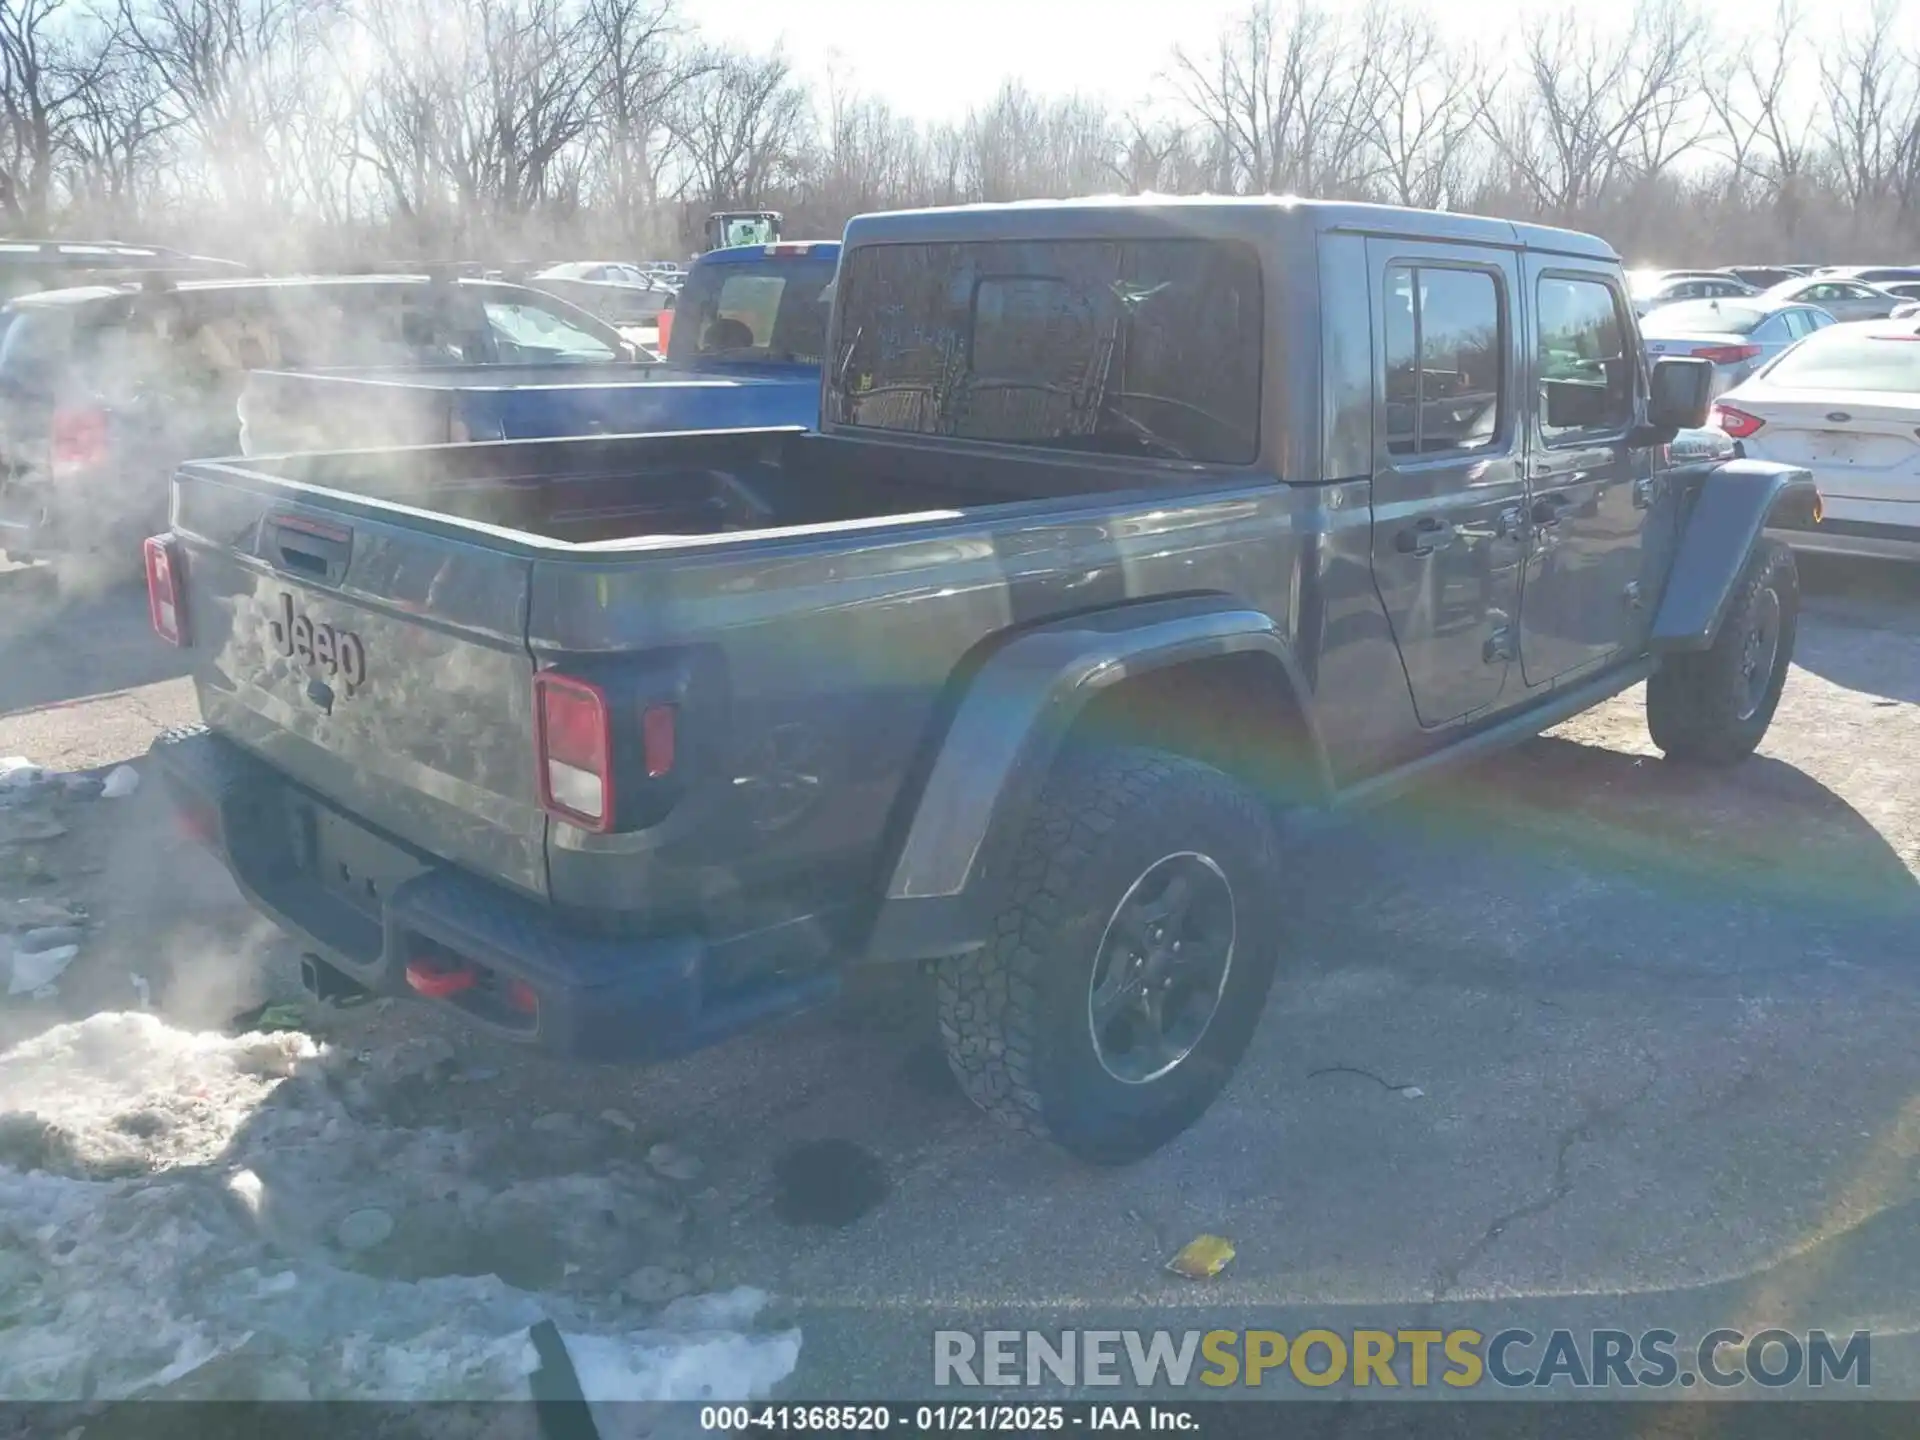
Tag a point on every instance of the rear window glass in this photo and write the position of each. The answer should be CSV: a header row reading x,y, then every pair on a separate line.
x,y
1148,347
1697,316
1833,359
773,309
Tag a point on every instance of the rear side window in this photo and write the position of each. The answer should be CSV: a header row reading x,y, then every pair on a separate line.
x,y
1444,376
1841,359
39,341
1146,347
1583,341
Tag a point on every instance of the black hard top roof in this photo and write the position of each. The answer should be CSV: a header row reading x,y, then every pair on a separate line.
x,y
1252,218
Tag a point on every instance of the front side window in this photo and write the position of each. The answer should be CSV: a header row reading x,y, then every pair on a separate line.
x,y
1586,369
1139,347
1444,374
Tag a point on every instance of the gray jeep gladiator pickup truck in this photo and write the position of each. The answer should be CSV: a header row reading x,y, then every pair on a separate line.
x,y
1135,536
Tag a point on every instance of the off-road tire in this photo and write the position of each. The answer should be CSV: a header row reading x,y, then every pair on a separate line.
x,y
1013,1015
1695,699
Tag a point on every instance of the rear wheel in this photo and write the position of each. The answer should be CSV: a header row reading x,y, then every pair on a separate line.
x,y
1714,706
1130,966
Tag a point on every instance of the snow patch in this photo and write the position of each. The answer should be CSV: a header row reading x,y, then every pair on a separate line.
x,y
168,1212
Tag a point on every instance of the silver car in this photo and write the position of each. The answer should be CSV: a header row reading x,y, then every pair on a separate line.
x,y
1738,335
1842,298
618,293
1650,290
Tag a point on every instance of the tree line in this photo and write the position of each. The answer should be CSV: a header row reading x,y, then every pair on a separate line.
x,y
323,131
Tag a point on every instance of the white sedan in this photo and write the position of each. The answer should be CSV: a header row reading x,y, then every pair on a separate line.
x,y
1845,404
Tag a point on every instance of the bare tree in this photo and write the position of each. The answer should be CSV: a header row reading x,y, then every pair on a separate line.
x,y
642,67
1596,112
1287,97
1868,85
51,60
742,127
1427,110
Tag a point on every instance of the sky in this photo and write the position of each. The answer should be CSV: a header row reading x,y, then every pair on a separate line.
x,y
932,59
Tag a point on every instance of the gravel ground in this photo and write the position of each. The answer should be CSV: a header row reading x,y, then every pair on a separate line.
x,y
1576,1038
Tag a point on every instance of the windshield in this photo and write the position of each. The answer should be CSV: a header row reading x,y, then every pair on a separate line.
x,y
747,230
527,332
1148,347
773,309
1696,316
1844,360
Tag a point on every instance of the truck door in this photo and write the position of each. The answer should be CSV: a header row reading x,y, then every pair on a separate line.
x,y
1447,482
1598,530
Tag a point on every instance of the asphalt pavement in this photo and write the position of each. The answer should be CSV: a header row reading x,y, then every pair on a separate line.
x,y
1577,1039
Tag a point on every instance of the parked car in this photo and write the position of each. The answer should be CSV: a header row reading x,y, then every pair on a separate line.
x,y
619,294
1677,287
1761,276
1876,274
103,390
1844,299
1845,405
1028,668
1737,336
748,354
30,266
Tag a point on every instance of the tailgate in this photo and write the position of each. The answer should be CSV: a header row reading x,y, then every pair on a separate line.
x,y
372,657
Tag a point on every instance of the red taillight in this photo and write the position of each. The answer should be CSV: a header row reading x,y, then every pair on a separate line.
x,y
164,601
1726,354
427,976
79,440
574,751
1737,423
658,727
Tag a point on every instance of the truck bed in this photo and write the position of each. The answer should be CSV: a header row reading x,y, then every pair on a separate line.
x,y
632,491
803,599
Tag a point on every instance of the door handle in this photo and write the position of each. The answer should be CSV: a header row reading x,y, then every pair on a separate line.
x,y
1424,536
1547,511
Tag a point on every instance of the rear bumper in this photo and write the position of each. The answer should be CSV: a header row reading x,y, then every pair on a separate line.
x,y
598,997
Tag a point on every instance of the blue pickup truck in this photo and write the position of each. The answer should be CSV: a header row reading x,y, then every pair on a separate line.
x,y
743,351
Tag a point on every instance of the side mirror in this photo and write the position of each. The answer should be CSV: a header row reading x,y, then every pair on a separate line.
x,y
1682,394
1576,404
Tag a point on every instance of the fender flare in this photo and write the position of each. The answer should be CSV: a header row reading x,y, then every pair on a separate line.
x,y
943,888
1732,504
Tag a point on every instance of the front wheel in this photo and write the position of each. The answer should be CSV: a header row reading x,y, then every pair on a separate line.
x,y
1129,968
1714,706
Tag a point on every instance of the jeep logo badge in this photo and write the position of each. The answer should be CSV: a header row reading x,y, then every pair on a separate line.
x,y
338,652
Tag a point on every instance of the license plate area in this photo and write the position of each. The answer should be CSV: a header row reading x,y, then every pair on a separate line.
x,y
348,861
